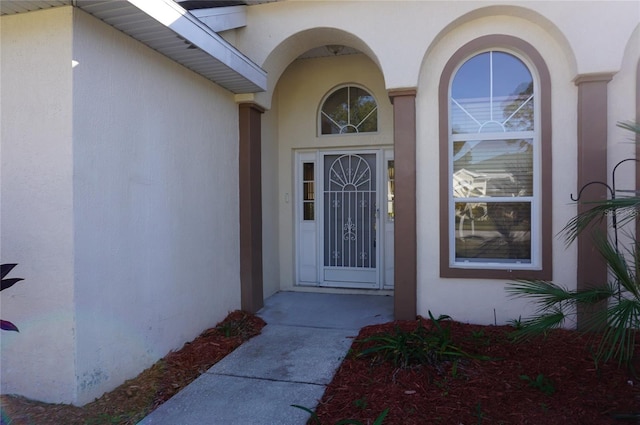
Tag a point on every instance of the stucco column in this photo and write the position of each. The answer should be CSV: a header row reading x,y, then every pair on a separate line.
x,y
251,294
592,166
404,135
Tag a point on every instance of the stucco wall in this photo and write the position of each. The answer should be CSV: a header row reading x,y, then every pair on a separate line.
x,y
155,202
36,228
385,28
119,201
299,94
271,202
409,43
621,98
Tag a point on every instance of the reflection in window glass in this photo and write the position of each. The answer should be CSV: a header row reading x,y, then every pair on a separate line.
x,y
492,92
492,178
493,168
349,110
499,231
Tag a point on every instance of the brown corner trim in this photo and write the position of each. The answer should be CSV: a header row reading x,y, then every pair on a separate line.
x,y
409,91
250,206
594,77
405,234
252,105
592,166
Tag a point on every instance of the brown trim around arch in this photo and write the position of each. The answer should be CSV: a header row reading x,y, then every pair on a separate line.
x,y
526,49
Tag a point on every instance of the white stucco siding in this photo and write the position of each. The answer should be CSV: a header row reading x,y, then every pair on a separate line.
x,y
271,202
299,95
622,93
36,204
155,202
398,34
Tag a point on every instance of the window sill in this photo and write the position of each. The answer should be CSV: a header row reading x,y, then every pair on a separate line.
x,y
504,274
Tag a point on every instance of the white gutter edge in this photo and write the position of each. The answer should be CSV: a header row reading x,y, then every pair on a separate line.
x,y
179,20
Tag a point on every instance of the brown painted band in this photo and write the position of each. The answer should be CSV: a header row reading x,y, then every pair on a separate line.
x,y
592,78
393,93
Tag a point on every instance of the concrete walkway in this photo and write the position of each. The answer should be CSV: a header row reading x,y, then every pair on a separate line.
x,y
290,362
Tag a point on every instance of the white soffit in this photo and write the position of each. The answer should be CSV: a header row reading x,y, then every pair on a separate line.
x,y
168,28
9,7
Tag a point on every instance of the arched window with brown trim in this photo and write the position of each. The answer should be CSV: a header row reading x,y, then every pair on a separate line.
x,y
495,159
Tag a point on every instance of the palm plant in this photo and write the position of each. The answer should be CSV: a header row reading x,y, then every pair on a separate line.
x,y
556,304
6,325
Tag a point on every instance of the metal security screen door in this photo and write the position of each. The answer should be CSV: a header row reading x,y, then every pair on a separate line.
x,y
350,201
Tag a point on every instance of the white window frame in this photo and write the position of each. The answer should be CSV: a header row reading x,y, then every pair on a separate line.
x,y
340,87
535,199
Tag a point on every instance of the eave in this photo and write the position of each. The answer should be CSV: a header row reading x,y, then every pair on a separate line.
x,y
166,27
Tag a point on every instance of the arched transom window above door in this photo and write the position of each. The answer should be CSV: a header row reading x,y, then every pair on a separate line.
x,y
348,110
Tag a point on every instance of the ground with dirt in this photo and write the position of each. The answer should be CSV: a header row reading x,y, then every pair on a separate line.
x,y
138,397
550,381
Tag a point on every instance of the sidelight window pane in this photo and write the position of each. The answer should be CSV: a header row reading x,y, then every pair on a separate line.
x,y
308,191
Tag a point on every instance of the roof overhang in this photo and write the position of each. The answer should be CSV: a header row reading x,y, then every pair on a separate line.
x,y
170,29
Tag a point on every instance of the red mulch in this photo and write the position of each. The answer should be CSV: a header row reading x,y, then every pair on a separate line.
x,y
484,391
475,392
137,397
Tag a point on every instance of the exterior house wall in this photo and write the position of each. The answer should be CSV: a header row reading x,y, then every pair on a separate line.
x,y
120,201
621,98
36,226
622,94
300,92
119,193
412,27
416,41
271,201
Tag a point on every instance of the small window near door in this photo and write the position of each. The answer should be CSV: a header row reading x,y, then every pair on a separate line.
x,y
308,189
348,110
391,189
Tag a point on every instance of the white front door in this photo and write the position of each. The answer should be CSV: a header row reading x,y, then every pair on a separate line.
x,y
344,218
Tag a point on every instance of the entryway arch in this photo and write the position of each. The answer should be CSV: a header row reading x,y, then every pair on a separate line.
x,y
289,127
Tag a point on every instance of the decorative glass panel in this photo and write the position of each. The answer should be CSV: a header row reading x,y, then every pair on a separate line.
x,y
350,211
349,110
492,92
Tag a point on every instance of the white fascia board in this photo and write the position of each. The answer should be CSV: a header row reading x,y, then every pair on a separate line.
x,y
171,15
222,18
